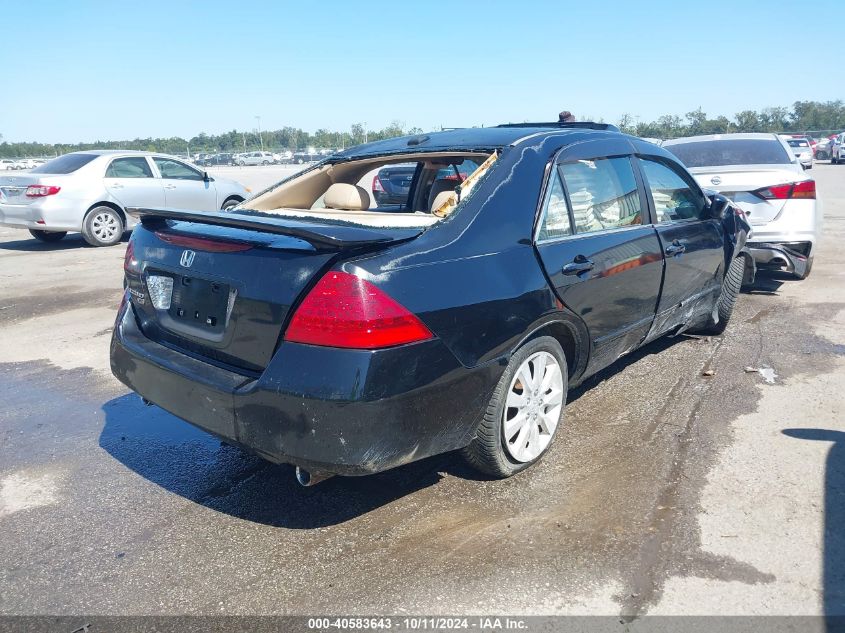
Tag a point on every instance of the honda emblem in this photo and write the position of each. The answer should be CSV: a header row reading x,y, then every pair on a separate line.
x,y
187,258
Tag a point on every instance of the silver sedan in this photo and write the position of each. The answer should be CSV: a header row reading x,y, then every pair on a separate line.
x,y
90,191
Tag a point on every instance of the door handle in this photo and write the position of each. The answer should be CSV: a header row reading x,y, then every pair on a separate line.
x,y
115,185
170,186
578,266
676,248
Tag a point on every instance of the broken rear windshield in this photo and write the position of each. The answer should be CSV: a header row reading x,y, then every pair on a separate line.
x,y
730,152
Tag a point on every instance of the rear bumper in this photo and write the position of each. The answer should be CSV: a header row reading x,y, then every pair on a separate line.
x,y
384,198
349,412
46,215
782,255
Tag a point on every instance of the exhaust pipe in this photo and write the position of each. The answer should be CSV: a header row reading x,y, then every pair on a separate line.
x,y
308,478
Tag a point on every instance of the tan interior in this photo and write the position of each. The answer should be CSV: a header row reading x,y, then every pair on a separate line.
x,y
316,194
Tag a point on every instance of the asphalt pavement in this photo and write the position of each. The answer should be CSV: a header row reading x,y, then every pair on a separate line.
x,y
681,482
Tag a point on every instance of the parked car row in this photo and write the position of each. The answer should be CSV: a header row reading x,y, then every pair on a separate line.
x,y
15,164
284,157
821,148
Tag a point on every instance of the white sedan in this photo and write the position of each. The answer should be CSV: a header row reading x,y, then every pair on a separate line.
x,y
762,175
90,191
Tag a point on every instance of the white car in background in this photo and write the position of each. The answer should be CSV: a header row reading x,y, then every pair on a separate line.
x,y
283,158
802,149
255,158
90,191
762,175
7,164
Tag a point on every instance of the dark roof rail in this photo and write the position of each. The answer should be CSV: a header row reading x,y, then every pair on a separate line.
x,y
585,125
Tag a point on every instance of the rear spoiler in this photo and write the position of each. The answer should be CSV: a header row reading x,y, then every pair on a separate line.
x,y
322,233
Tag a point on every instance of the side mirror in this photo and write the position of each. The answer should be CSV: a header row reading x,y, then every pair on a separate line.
x,y
205,176
717,207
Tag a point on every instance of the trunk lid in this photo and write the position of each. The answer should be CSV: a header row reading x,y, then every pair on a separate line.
x,y
739,181
232,278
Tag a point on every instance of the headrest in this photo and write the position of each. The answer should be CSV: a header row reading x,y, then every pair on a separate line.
x,y
441,198
440,186
346,197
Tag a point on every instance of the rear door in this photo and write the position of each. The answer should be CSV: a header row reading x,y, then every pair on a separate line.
x,y
598,248
693,245
185,187
131,181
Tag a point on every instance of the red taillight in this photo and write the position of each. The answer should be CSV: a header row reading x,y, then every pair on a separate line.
x,y
41,191
202,243
377,186
130,264
804,189
343,310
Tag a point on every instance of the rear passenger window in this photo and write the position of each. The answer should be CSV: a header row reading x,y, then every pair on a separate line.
x,y
603,193
136,167
555,214
674,199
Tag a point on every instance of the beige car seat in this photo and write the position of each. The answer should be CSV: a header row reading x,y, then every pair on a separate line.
x,y
346,197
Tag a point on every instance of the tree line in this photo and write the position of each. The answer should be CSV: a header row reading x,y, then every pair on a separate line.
x,y
815,117
234,141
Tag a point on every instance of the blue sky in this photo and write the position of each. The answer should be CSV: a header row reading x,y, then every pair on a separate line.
x,y
85,71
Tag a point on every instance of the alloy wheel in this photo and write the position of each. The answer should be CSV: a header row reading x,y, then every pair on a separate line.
x,y
533,406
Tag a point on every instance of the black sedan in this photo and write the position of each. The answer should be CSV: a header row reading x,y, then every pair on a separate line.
x,y
391,185
314,329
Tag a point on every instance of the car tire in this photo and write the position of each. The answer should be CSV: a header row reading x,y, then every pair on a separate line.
x,y
230,203
102,226
264,163
724,307
502,445
47,236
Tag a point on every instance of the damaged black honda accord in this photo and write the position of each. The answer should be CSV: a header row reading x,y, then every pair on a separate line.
x,y
313,327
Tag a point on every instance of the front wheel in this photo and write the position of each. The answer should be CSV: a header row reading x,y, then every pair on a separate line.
x,y
525,411
231,203
103,226
731,285
47,236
